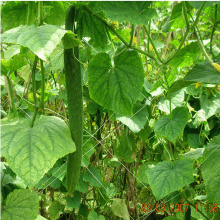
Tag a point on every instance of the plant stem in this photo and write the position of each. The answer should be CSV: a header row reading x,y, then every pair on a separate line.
x,y
213,30
185,15
184,37
12,97
202,48
34,90
42,85
132,35
153,45
119,36
40,13
184,195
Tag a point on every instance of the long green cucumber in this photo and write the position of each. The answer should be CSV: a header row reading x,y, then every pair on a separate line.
x,y
75,105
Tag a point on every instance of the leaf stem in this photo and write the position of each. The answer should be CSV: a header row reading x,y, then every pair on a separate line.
x,y
202,47
213,30
42,85
185,15
34,90
132,35
120,37
12,97
153,45
186,33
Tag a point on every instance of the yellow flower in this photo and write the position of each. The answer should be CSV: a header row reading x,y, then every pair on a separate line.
x,y
197,85
93,123
157,23
216,66
151,47
218,86
186,71
155,72
191,109
115,23
135,40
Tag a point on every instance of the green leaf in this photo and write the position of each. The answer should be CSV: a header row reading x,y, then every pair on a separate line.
x,y
119,208
14,14
31,152
211,171
177,85
109,191
82,186
135,12
40,40
88,150
39,217
194,154
83,212
116,86
142,173
198,4
11,51
21,204
211,105
93,176
90,26
57,58
185,56
169,176
195,140
55,12
55,209
137,121
171,126
204,73
15,63
92,215
177,99
70,40
74,202
124,148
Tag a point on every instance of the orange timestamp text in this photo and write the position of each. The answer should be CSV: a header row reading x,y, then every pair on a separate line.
x,y
179,207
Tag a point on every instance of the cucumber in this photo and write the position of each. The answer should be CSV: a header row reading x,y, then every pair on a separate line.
x,y
188,214
75,105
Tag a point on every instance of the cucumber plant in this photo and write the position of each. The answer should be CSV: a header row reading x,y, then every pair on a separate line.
x,y
110,110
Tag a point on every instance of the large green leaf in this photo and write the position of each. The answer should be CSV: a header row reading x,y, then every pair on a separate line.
x,y
138,120
14,14
31,152
198,4
136,12
90,26
185,56
116,86
177,85
177,99
204,73
15,63
55,209
21,204
124,147
169,176
119,208
171,126
211,170
210,105
55,12
40,40
93,176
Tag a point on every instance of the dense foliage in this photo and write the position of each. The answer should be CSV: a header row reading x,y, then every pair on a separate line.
x,y
148,77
